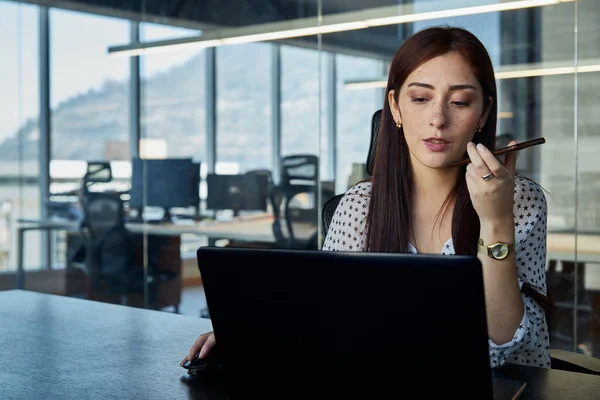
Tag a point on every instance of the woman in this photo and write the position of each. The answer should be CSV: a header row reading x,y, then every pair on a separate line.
x,y
441,106
441,102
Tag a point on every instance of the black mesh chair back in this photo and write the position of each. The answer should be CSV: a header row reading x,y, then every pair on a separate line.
x,y
103,212
298,182
301,215
299,169
375,125
295,210
328,211
108,251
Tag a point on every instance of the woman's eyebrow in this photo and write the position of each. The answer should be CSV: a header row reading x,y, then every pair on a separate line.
x,y
451,88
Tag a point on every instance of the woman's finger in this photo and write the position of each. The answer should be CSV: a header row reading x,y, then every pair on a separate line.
x,y
198,343
472,175
208,345
478,165
491,161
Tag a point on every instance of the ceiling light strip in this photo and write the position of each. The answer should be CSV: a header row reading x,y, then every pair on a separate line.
x,y
381,16
508,74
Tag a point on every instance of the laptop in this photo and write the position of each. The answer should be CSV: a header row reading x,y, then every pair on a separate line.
x,y
298,323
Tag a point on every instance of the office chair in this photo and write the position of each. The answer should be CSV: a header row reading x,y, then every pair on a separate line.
x,y
294,201
375,125
108,252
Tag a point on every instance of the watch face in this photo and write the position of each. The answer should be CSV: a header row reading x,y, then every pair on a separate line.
x,y
500,250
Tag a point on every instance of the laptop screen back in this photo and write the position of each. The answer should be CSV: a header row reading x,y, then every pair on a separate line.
x,y
371,320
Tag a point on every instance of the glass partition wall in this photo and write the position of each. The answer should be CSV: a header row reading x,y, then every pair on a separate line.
x,y
202,116
546,62
21,164
234,118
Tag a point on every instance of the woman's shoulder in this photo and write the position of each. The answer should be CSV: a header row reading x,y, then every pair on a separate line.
x,y
356,198
360,189
529,193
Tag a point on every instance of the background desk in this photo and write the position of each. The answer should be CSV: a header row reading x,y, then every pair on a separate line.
x,y
565,246
56,347
249,229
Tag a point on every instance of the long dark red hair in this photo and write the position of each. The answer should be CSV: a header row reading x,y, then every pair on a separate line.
x,y
389,222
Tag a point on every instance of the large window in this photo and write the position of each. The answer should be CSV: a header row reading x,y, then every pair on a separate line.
x,y
301,97
89,101
89,90
173,106
173,97
355,109
19,129
244,129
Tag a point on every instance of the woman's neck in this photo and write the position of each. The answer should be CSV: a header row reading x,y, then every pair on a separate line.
x,y
432,185
431,215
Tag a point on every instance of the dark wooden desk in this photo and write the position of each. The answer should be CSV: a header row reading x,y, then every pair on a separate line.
x,y
54,347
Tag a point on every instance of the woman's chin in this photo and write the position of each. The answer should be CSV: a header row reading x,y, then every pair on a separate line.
x,y
436,162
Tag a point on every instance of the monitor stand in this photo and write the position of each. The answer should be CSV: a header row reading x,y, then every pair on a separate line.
x,y
167,217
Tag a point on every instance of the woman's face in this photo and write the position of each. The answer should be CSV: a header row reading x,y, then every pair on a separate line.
x,y
440,105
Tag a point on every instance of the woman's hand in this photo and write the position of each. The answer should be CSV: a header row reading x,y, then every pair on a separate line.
x,y
202,345
491,184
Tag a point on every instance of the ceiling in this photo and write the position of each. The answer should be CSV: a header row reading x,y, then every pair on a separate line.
x,y
380,42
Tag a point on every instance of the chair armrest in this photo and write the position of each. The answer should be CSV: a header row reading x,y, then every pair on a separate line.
x,y
575,362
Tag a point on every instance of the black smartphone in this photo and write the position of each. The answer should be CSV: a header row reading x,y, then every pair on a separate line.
x,y
504,150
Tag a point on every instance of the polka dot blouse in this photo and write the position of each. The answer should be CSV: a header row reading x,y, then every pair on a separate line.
x,y
530,342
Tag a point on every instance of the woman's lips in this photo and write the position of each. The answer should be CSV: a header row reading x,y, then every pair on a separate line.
x,y
436,144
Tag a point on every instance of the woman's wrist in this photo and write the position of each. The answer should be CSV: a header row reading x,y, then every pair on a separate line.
x,y
497,231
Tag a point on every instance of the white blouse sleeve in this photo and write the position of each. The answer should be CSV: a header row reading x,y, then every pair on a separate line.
x,y
347,228
530,344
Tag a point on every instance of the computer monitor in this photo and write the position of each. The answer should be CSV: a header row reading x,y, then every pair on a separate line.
x,y
243,192
165,183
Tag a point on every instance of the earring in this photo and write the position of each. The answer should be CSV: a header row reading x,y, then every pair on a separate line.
x,y
398,124
478,129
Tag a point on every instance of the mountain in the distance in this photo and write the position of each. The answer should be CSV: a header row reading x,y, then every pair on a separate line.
x,y
173,109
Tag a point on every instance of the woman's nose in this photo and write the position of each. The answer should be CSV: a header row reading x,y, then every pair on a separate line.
x,y
438,118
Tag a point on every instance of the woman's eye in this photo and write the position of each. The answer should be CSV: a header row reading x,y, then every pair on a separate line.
x,y
461,103
418,99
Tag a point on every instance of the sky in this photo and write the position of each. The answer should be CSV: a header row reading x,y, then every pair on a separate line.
x,y
79,59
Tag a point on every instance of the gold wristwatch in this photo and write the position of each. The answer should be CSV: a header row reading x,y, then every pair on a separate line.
x,y
498,250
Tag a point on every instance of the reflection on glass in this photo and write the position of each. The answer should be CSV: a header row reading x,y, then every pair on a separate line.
x,y
19,130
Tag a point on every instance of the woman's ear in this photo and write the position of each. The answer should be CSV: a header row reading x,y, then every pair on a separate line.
x,y
486,112
394,108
